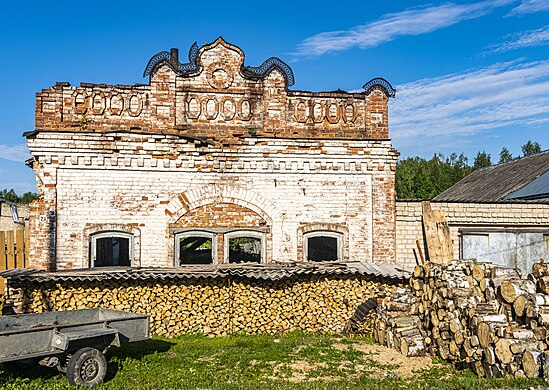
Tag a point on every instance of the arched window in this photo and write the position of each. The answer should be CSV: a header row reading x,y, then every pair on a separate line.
x,y
195,247
245,247
323,246
112,249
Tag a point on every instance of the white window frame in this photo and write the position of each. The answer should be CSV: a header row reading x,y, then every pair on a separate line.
x,y
323,233
243,233
195,233
109,234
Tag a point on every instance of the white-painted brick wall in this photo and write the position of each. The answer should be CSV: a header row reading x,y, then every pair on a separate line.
x,y
291,186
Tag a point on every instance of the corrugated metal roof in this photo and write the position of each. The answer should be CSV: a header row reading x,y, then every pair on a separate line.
x,y
495,183
253,271
537,189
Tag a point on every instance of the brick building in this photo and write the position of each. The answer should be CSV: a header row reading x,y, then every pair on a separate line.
x,y
212,161
498,214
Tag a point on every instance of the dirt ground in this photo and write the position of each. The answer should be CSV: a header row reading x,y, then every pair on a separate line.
x,y
388,356
378,361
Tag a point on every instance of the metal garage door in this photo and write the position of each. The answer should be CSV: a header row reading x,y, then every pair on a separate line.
x,y
516,249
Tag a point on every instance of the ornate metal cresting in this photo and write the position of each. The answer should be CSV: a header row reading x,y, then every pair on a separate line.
x,y
192,65
171,59
258,72
380,83
264,69
254,72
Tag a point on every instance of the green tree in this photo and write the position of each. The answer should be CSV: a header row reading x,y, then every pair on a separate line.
x,y
11,196
28,197
505,156
482,160
530,148
418,178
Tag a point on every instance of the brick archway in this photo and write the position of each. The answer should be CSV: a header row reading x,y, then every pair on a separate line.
x,y
202,198
192,199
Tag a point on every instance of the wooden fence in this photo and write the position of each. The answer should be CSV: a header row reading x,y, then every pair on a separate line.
x,y
14,251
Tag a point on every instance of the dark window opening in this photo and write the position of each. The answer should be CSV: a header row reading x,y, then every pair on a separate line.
x,y
322,248
112,252
195,250
245,250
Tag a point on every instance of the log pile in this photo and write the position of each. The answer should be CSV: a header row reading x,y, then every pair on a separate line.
x,y
488,318
397,327
217,306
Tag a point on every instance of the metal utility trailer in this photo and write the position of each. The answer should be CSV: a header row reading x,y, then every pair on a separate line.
x,y
73,341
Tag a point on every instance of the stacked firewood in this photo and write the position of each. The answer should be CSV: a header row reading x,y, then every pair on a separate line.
x,y
487,317
219,306
396,327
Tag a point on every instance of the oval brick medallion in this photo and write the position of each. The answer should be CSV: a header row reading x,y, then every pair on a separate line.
x,y
193,108
79,102
301,112
332,113
318,113
116,104
98,103
349,113
211,108
229,109
245,110
135,104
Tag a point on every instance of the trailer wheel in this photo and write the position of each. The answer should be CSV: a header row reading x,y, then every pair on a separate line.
x,y
86,368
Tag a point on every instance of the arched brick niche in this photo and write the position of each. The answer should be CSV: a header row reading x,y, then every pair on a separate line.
x,y
221,221
338,231
220,215
201,196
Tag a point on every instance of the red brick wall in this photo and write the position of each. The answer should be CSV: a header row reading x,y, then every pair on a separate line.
x,y
221,215
207,105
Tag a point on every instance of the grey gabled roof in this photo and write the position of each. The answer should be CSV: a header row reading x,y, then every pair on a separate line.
x,y
496,183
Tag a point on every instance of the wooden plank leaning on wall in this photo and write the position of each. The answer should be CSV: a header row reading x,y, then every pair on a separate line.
x,y
437,235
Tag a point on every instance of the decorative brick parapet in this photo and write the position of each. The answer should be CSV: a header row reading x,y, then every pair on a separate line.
x,y
221,99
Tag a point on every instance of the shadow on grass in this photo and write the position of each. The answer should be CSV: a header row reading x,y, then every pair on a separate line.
x,y
139,349
27,369
32,370
136,351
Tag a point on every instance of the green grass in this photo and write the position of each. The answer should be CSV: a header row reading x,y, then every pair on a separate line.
x,y
294,361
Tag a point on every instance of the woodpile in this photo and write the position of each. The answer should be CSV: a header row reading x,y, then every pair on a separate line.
x,y
397,327
217,306
486,317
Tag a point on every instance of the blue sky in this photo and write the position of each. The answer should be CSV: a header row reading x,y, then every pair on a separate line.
x,y
470,75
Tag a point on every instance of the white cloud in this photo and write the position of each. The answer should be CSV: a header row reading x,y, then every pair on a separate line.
x,y
457,105
390,26
530,38
531,6
18,153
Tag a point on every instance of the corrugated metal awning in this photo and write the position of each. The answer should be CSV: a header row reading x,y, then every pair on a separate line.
x,y
273,272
